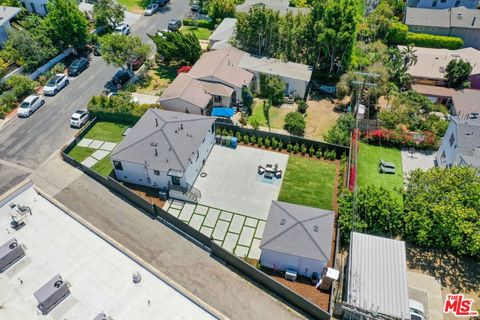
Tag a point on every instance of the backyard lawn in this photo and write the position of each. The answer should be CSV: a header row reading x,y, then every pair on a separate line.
x,y
156,80
135,6
107,131
309,182
201,33
277,116
367,167
80,153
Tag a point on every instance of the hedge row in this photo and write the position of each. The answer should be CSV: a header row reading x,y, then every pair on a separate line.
x,y
432,41
117,109
198,23
275,144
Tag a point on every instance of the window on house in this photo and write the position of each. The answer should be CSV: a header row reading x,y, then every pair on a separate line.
x,y
117,165
443,1
45,8
156,172
217,98
32,5
213,127
434,4
452,140
443,156
457,3
24,5
198,155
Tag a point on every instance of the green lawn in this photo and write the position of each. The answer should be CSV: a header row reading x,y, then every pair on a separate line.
x,y
104,166
157,79
367,167
80,153
134,5
201,33
107,131
309,182
277,116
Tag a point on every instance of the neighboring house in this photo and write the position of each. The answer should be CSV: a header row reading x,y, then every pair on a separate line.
x,y
376,278
462,103
282,6
431,65
455,22
6,15
298,238
295,76
443,4
35,6
220,38
165,150
461,143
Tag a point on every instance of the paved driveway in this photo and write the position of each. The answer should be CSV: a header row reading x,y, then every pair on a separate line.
x,y
233,184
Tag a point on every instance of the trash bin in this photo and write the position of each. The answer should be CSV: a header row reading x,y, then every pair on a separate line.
x,y
234,142
223,140
228,141
218,138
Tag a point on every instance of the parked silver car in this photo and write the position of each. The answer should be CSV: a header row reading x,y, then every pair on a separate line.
x,y
151,9
55,84
29,106
122,29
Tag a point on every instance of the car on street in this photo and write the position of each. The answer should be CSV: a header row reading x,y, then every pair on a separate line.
x,y
55,84
77,66
117,82
29,106
79,118
151,9
162,3
122,29
174,24
195,8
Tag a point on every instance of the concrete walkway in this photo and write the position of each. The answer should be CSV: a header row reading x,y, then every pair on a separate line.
x,y
103,149
164,249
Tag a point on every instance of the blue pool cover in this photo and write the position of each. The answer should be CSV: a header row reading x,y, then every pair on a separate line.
x,y
223,112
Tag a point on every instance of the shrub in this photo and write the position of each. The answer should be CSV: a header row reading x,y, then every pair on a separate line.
x,y
230,132
218,131
289,147
303,149
260,141
239,136
21,85
253,140
274,143
318,154
296,148
272,87
295,123
254,123
246,139
302,107
311,151
117,109
280,145
198,23
397,34
224,132
267,143
243,119
431,41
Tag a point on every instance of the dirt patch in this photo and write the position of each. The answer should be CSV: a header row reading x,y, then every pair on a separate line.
x,y
321,116
148,194
456,274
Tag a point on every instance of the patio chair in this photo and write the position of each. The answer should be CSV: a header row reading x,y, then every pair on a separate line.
x,y
278,174
261,170
386,164
387,170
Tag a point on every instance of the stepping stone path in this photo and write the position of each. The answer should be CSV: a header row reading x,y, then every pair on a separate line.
x,y
103,149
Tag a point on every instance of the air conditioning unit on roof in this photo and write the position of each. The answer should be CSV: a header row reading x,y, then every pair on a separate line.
x,y
51,294
10,252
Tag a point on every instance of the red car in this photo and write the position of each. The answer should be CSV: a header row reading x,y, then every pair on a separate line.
x,y
137,63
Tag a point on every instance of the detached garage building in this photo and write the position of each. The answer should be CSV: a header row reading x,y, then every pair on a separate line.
x,y
298,238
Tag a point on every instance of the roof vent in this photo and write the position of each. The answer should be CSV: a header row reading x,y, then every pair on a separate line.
x,y
153,144
282,222
181,126
156,122
459,15
442,69
315,228
156,152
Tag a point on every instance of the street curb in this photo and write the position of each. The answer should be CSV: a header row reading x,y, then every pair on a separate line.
x,y
170,282
11,115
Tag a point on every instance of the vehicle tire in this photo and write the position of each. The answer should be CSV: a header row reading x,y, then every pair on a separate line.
x,y
67,83
55,92
29,113
42,103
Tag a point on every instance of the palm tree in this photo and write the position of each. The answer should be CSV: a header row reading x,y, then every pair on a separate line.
x,y
409,57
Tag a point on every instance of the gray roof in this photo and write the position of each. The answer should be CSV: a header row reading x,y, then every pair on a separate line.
x,y
282,6
7,14
459,17
377,275
468,141
170,145
299,231
224,31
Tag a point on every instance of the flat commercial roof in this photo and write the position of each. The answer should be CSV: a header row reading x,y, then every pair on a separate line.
x,y
377,276
100,276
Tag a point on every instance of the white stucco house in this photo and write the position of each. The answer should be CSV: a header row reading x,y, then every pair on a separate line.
x,y
297,238
165,150
461,143
6,15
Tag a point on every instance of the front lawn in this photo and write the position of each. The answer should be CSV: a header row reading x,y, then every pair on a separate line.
x,y
201,33
80,153
277,116
107,131
309,182
104,166
156,80
367,168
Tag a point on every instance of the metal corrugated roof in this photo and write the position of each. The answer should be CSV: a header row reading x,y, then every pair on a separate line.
x,y
377,279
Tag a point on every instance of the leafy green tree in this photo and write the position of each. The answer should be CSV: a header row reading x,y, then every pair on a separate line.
x,y
376,211
302,106
380,20
442,209
457,73
220,9
10,3
108,14
67,24
341,132
247,99
272,87
266,113
120,50
176,46
295,123
399,63
21,85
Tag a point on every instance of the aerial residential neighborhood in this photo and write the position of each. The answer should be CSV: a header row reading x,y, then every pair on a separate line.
x,y
240,159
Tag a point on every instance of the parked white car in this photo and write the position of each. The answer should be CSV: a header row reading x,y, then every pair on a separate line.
x,y
122,29
55,84
79,118
29,106
151,9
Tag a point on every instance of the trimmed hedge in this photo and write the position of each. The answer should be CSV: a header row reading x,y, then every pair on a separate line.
x,y
397,33
432,41
199,23
115,109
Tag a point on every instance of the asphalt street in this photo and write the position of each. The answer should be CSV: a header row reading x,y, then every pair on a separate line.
x,y
28,142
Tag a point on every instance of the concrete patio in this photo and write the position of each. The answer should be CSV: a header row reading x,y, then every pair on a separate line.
x,y
419,159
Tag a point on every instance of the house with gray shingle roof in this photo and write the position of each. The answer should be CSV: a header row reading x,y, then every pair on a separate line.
x,y
6,15
281,6
297,237
443,4
165,150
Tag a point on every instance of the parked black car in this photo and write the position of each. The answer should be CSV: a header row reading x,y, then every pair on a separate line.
x,y
174,24
162,3
117,82
77,66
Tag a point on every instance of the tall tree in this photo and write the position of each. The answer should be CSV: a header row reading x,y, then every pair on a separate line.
x,y
266,113
178,47
341,132
247,99
457,73
67,24
120,50
108,13
220,9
